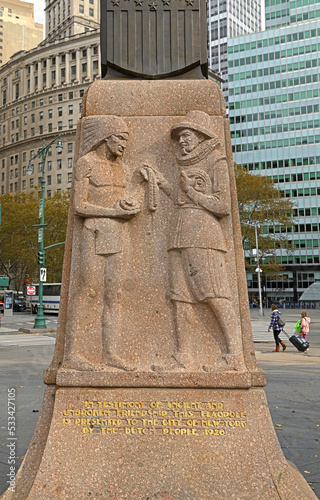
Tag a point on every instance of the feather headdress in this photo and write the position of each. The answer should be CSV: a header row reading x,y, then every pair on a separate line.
x,y
96,129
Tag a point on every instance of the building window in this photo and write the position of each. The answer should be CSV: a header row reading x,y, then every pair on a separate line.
x,y
31,183
41,129
50,99
59,164
49,165
24,156
41,115
84,53
49,127
49,180
70,147
70,123
70,177
24,170
58,178
70,109
59,125
59,111
23,184
63,72
49,193
60,97
41,101
25,119
70,95
73,70
32,118
70,162
32,132
84,67
91,12
81,9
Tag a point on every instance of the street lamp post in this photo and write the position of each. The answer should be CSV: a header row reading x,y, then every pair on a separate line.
x,y
40,321
258,270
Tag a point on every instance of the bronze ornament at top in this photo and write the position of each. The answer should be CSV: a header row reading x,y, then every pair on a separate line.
x,y
153,39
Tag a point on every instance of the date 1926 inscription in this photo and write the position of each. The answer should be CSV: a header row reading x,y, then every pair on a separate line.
x,y
170,418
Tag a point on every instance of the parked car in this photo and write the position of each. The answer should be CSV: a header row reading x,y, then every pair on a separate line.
x,y
19,305
1,307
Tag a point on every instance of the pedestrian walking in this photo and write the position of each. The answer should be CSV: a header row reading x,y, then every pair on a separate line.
x,y
304,324
277,329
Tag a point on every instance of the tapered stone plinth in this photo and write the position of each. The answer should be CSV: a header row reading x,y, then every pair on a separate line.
x,y
154,391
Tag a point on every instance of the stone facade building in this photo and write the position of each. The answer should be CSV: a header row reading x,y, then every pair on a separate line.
x,y
18,29
41,92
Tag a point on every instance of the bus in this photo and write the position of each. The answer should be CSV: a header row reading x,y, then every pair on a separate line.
x,y
50,298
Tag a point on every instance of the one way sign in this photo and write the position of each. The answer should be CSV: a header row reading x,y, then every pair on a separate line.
x,y
43,274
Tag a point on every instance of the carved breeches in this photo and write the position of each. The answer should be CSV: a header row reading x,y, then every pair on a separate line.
x,y
197,274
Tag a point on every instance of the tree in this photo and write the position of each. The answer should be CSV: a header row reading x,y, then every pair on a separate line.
x,y
261,203
19,239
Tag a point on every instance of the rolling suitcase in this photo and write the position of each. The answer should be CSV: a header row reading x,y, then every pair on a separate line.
x,y
299,342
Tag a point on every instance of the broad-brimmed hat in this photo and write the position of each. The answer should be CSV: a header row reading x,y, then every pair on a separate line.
x,y
195,120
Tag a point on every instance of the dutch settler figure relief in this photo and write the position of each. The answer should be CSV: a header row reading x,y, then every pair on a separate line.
x,y
101,199
197,247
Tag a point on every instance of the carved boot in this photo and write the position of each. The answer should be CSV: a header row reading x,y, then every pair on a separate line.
x,y
173,364
277,349
283,345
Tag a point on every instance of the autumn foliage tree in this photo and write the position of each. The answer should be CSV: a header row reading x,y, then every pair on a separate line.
x,y
261,203
19,239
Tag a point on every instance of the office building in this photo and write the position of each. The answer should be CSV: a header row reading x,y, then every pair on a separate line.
x,y
18,29
229,18
274,89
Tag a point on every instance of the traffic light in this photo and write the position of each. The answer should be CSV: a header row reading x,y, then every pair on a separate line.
x,y
41,259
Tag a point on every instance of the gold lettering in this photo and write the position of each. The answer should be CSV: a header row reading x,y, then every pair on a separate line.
x,y
146,422
174,432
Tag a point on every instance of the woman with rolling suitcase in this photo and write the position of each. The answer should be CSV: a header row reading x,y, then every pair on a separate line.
x,y
274,324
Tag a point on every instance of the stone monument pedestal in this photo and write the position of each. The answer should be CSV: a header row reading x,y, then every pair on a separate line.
x,y
154,391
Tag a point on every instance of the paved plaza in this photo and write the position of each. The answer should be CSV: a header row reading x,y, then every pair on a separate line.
x,y
293,387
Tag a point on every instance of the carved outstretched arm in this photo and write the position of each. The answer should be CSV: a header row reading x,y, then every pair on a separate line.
x,y
122,209
150,173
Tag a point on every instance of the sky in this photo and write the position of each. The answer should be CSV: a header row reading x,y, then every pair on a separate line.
x,y
39,6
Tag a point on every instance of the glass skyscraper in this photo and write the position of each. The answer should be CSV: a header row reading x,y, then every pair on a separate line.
x,y
229,18
274,88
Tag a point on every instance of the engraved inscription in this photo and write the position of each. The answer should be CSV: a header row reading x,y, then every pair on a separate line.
x,y
168,418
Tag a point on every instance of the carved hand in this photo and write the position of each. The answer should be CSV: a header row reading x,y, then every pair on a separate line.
x,y
127,208
185,182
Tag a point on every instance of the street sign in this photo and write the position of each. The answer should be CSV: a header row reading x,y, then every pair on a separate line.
x,y
31,290
43,274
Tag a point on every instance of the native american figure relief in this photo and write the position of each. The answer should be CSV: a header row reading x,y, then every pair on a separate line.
x,y
102,202
197,248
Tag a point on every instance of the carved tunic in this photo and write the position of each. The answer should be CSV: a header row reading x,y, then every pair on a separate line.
x,y
196,221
